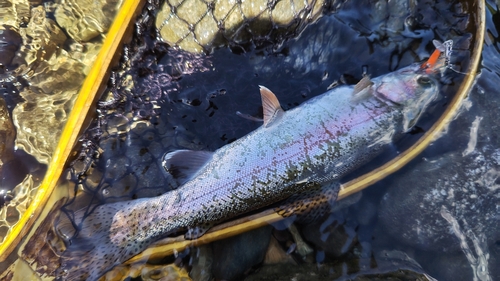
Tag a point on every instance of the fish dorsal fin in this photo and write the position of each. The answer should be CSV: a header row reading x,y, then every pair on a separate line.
x,y
270,105
362,88
184,164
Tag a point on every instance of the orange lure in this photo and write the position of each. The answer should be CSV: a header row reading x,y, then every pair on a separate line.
x,y
430,64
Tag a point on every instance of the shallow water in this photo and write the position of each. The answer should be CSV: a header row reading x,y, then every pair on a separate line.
x,y
42,68
170,100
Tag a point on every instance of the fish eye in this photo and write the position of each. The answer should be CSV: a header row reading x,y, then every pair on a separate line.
x,y
424,81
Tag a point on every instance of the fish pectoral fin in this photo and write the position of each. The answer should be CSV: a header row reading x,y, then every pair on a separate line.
x,y
270,106
362,89
184,164
197,231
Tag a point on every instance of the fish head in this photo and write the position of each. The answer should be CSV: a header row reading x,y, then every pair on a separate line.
x,y
411,89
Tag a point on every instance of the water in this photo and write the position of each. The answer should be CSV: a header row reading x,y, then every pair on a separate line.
x,y
443,207
435,217
41,71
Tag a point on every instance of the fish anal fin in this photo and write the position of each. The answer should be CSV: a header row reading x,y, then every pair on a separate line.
x,y
270,105
197,231
184,164
312,203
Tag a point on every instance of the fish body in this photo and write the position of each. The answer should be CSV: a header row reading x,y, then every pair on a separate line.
x,y
313,144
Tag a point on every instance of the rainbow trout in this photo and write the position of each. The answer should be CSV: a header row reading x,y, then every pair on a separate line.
x,y
313,144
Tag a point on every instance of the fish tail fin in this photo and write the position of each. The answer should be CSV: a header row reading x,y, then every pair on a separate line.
x,y
101,241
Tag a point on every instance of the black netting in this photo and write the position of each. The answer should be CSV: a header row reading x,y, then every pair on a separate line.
x,y
198,25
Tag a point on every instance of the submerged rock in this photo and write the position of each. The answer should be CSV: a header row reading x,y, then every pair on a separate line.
x,y
7,134
41,38
32,39
15,13
148,272
55,76
86,19
36,115
7,137
390,266
45,102
201,265
10,42
164,273
11,213
238,254
331,237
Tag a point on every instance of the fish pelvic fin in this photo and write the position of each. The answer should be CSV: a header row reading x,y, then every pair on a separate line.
x,y
270,106
197,231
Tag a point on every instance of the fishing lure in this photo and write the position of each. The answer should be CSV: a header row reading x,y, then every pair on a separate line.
x,y
440,57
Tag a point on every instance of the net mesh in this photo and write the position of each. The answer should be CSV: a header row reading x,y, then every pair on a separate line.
x,y
199,25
